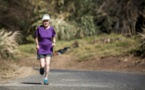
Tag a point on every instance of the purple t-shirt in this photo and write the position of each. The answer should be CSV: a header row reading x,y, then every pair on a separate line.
x,y
45,39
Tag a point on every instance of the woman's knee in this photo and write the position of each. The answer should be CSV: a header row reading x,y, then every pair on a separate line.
x,y
42,63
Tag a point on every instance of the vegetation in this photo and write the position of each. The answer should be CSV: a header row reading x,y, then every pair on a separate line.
x,y
73,19
8,43
90,47
90,17
103,46
140,49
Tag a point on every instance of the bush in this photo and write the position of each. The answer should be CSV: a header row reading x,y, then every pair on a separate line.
x,y
8,43
139,51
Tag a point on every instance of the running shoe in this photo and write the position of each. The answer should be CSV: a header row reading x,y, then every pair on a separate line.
x,y
46,82
41,71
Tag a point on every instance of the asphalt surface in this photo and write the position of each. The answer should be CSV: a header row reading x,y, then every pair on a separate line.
x,y
79,80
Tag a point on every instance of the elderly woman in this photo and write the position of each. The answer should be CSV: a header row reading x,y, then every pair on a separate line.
x,y
45,40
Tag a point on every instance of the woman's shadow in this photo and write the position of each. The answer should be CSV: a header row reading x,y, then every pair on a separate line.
x,y
33,83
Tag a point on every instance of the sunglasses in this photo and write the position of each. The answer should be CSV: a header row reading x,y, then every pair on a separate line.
x,y
45,20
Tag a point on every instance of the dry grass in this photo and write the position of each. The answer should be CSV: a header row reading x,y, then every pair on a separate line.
x,y
8,43
65,30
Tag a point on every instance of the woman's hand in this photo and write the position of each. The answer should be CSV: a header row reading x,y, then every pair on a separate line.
x,y
37,47
53,44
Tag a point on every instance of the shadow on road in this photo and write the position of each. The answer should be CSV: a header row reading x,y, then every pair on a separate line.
x,y
61,70
34,83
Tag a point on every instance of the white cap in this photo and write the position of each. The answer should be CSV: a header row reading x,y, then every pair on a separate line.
x,y
45,17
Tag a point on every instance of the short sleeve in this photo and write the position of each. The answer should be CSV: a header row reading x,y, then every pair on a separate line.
x,y
53,33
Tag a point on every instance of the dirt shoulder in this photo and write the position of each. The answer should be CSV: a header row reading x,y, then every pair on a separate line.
x,y
11,70
110,63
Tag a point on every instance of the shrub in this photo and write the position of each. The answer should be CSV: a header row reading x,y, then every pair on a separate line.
x,y
8,43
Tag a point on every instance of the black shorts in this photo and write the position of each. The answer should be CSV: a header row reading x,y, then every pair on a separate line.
x,y
39,56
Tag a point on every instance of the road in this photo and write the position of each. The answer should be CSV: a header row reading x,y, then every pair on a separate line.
x,y
79,80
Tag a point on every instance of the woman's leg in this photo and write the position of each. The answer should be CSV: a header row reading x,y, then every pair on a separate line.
x,y
42,65
42,62
47,66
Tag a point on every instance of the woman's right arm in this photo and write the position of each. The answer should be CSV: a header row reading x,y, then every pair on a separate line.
x,y
37,43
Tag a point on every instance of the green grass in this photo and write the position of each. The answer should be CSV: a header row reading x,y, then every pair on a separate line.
x,y
99,49
86,50
62,44
28,48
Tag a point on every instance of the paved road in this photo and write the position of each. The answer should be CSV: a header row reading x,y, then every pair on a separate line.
x,y
79,80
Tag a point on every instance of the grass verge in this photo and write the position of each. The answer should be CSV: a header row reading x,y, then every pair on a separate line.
x,y
88,47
